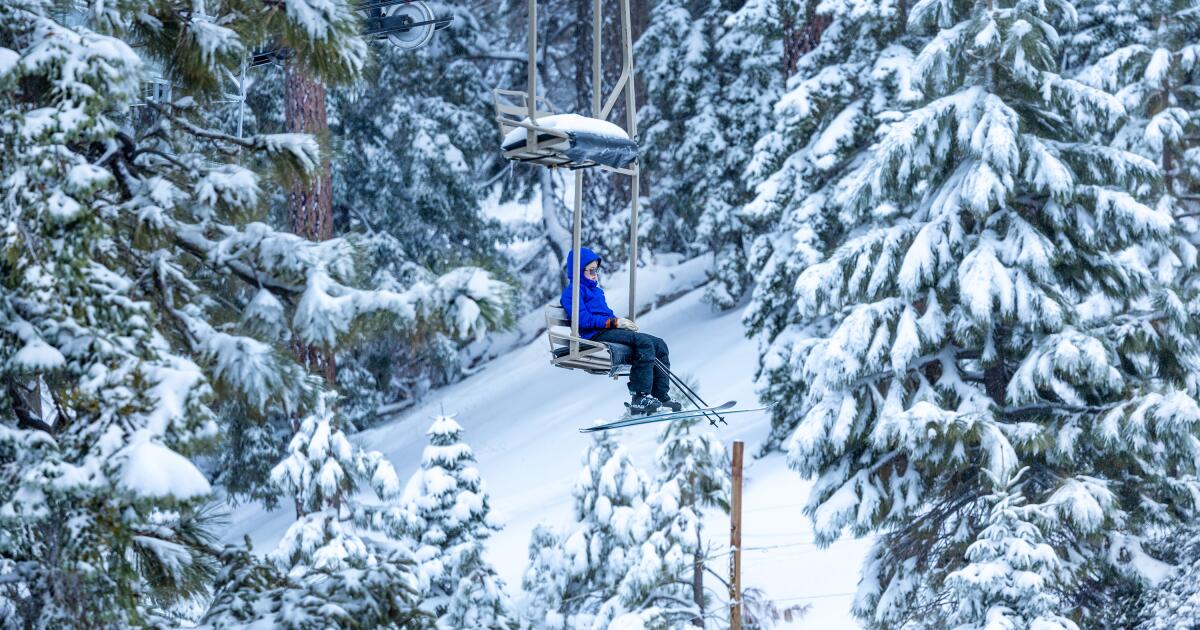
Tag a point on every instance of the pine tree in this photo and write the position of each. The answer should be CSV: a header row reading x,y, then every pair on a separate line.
x,y
624,560
411,153
377,594
1144,53
850,81
705,109
983,310
139,290
693,469
327,572
1013,575
1174,601
448,516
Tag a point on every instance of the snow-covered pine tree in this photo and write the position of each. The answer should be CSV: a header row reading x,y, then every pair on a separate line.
x,y
850,82
1146,54
414,139
137,288
626,557
447,514
409,139
1013,575
693,468
985,309
251,593
710,83
1174,602
414,136
327,571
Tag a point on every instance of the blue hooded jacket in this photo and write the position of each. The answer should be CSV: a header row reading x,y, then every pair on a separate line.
x,y
594,313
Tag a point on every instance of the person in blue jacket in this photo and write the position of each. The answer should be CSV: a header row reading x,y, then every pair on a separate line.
x,y
648,383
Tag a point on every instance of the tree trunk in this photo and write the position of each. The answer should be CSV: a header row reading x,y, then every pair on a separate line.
x,y
995,381
310,203
800,39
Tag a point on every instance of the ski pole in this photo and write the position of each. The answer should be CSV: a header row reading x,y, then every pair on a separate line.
x,y
692,395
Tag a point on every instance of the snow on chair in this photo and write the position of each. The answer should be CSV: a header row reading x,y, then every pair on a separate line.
x,y
559,140
593,357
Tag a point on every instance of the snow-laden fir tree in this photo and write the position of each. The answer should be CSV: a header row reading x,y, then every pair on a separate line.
x,y
1174,602
711,78
694,468
414,138
1150,63
1012,576
139,289
447,514
378,594
326,572
986,310
850,81
626,559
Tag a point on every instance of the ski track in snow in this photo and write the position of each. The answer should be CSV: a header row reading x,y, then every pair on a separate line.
x,y
521,416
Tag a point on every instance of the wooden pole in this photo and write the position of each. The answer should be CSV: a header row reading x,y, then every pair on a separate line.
x,y
735,542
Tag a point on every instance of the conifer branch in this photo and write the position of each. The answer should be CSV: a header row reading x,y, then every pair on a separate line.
x,y
199,247
1028,410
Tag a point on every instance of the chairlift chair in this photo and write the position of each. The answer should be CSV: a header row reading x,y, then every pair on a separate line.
x,y
559,140
533,132
593,357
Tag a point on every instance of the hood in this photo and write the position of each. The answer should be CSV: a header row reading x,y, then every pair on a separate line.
x,y
586,256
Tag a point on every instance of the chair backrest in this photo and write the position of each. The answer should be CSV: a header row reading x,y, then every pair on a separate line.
x,y
557,316
557,323
512,107
558,327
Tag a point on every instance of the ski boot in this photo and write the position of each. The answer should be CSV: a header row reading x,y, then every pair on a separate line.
x,y
642,405
667,405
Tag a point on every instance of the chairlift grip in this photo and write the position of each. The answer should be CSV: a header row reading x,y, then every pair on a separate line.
x,y
384,27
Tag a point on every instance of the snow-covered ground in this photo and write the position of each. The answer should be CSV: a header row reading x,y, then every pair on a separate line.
x,y
521,417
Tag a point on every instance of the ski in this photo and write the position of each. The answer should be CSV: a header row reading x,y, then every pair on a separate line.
x,y
723,409
658,416
679,415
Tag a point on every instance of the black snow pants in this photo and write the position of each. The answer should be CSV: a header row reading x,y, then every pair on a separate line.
x,y
645,377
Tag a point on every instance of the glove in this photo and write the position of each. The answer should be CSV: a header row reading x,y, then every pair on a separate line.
x,y
627,324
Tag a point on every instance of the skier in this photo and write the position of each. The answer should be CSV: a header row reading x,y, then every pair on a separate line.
x,y
648,382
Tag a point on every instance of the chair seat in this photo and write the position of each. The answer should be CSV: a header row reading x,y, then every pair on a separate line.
x,y
595,357
621,354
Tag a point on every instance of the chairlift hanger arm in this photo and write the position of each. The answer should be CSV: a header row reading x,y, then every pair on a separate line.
x,y
376,25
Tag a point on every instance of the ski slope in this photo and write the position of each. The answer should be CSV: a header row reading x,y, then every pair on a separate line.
x,y
521,416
